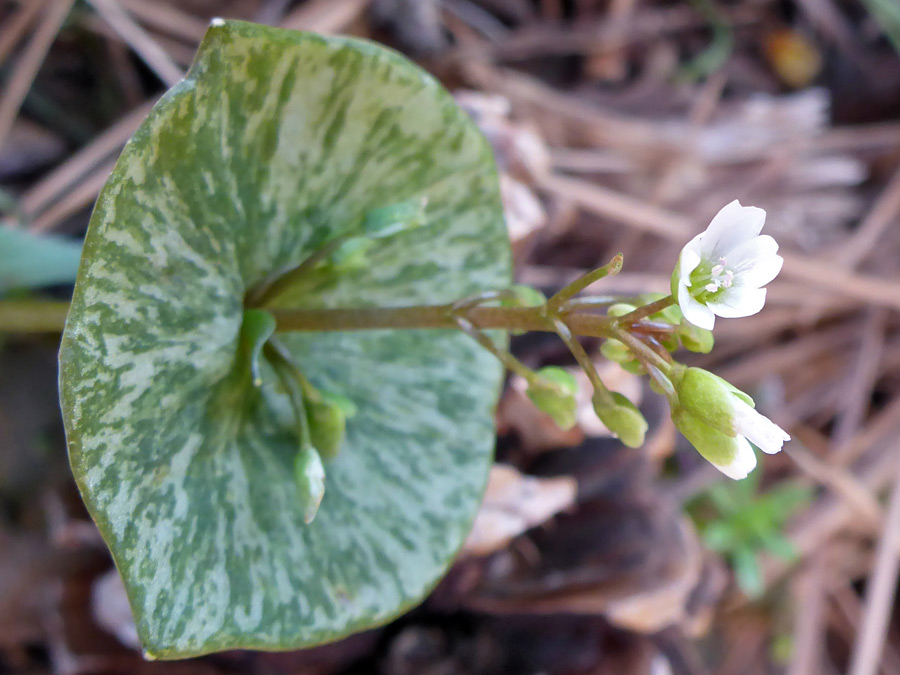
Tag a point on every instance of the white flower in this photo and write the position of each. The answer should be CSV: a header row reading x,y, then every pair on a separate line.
x,y
719,420
722,271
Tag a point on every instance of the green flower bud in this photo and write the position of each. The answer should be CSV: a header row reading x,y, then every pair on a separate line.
x,y
732,455
327,425
622,418
616,351
719,420
695,339
620,309
351,254
387,221
706,397
554,393
309,474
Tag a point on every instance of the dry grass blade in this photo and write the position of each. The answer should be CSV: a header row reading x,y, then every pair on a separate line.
x,y
325,16
81,196
156,58
171,20
885,212
13,31
880,593
54,184
24,72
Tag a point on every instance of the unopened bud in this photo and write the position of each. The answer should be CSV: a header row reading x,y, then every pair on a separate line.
x,y
387,221
622,418
554,393
696,339
309,474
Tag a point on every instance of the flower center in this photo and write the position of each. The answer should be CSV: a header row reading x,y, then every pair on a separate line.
x,y
709,278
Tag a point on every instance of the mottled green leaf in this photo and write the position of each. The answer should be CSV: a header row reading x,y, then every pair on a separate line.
x,y
275,143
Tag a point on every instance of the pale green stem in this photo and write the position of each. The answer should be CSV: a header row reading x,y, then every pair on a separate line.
x,y
613,267
645,311
274,286
274,347
287,372
585,361
511,362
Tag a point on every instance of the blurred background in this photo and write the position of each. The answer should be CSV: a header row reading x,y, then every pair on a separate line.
x,y
618,125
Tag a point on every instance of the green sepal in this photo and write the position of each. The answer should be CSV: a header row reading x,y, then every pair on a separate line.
x,y
669,342
622,418
553,392
257,327
706,397
309,474
717,447
616,351
695,339
386,221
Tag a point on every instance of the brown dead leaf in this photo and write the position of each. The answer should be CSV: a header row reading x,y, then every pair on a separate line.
x,y
514,503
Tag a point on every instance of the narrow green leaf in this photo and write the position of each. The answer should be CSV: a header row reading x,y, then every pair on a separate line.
x,y
29,260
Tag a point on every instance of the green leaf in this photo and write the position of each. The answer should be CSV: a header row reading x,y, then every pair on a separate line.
x,y
275,143
30,261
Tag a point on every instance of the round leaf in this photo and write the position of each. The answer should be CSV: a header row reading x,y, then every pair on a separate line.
x,y
275,143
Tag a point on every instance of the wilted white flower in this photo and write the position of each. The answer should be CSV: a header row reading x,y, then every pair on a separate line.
x,y
719,420
722,271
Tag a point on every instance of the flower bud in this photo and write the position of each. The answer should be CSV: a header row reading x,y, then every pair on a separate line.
x,y
719,420
387,221
327,425
309,475
732,455
616,351
622,418
695,339
554,393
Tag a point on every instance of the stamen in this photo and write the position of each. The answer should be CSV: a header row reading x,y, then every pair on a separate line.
x,y
718,269
728,280
712,287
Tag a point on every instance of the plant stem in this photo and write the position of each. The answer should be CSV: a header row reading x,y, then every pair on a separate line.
x,y
435,316
587,365
611,268
33,316
645,311
273,286
642,351
511,362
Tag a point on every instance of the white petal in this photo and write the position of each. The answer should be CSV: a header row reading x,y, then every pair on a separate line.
x,y
694,311
755,261
757,428
743,462
689,258
738,301
730,227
